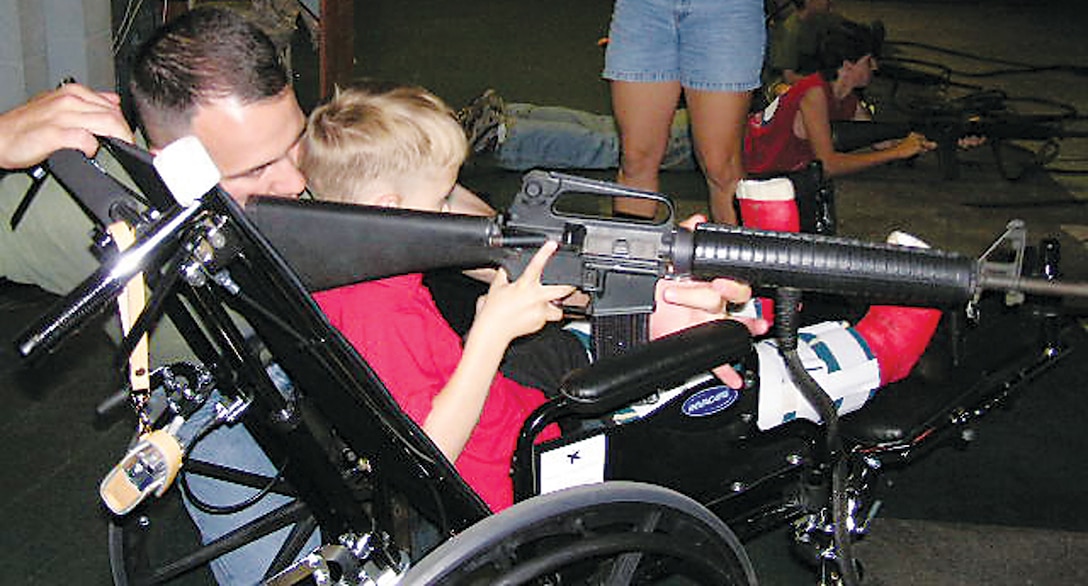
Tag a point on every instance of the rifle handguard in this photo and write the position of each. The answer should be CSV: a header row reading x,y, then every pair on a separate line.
x,y
827,264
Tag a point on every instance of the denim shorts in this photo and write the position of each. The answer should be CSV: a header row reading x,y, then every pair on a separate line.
x,y
712,45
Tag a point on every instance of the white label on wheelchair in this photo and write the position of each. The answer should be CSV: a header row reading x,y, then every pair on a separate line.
x,y
573,464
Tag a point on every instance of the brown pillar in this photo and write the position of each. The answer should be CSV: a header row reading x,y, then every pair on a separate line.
x,y
337,44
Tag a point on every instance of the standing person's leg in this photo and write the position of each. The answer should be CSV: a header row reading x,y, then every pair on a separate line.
x,y
679,154
721,58
717,127
642,62
644,113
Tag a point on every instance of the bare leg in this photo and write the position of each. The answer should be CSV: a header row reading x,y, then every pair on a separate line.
x,y
717,127
644,113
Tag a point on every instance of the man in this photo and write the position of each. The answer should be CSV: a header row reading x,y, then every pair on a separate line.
x,y
232,94
212,74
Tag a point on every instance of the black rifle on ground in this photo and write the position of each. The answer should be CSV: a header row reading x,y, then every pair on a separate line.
x,y
984,114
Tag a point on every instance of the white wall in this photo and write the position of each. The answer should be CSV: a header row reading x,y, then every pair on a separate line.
x,y
44,41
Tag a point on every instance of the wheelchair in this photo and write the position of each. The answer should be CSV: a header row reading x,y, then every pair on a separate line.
x,y
668,496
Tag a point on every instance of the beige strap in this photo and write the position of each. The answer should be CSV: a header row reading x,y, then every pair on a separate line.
x,y
129,305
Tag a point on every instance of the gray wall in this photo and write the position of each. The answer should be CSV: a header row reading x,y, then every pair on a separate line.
x,y
44,41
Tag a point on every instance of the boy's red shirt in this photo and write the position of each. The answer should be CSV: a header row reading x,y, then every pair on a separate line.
x,y
395,325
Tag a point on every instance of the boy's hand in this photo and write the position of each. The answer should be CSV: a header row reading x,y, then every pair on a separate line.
x,y
510,310
67,117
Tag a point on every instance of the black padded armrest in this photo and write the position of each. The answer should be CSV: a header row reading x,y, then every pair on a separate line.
x,y
663,363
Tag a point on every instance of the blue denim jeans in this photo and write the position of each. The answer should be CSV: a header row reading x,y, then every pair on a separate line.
x,y
233,446
710,45
553,137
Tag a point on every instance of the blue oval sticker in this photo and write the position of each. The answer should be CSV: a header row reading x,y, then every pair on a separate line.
x,y
707,402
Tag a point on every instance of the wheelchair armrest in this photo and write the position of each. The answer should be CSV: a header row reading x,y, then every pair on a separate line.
x,y
666,362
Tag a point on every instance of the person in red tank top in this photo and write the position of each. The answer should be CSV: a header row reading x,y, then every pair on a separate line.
x,y
795,129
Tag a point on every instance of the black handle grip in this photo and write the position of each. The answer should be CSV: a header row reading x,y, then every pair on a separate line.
x,y
827,264
105,284
70,313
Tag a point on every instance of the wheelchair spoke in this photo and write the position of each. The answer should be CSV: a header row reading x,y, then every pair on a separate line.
x,y
613,533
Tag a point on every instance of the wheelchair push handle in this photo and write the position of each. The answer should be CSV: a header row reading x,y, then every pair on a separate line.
x,y
103,286
186,173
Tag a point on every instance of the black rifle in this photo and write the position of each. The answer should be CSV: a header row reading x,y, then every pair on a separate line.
x,y
946,124
618,261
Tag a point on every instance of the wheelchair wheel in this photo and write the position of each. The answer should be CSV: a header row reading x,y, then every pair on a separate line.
x,y
157,542
612,533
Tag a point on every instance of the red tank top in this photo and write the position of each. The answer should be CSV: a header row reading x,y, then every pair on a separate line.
x,y
770,146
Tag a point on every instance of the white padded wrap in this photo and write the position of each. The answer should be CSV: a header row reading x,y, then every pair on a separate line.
x,y
904,239
834,355
774,189
187,170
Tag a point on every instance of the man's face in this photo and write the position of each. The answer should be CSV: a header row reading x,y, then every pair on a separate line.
x,y
254,145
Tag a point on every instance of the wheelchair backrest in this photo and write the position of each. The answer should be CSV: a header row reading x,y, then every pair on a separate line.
x,y
240,307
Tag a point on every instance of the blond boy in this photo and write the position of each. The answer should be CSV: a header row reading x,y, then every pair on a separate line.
x,y
402,147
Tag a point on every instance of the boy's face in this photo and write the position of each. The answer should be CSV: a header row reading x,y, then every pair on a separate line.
x,y
428,190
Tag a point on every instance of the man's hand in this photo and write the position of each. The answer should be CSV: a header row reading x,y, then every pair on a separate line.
x,y
681,304
67,117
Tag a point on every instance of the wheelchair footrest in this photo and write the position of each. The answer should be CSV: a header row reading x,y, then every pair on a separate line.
x,y
940,393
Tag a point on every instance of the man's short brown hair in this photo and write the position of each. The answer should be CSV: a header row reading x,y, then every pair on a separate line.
x,y
210,52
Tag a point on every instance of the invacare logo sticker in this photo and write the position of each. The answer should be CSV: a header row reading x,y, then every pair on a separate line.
x,y
707,402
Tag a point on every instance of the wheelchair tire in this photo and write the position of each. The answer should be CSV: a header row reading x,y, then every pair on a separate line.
x,y
612,533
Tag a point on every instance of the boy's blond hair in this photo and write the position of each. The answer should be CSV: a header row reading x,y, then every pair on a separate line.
x,y
365,134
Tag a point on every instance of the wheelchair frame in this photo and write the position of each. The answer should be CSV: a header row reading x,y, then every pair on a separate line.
x,y
355,457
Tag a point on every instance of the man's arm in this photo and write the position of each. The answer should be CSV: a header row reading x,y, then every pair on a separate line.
x,y
67,117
